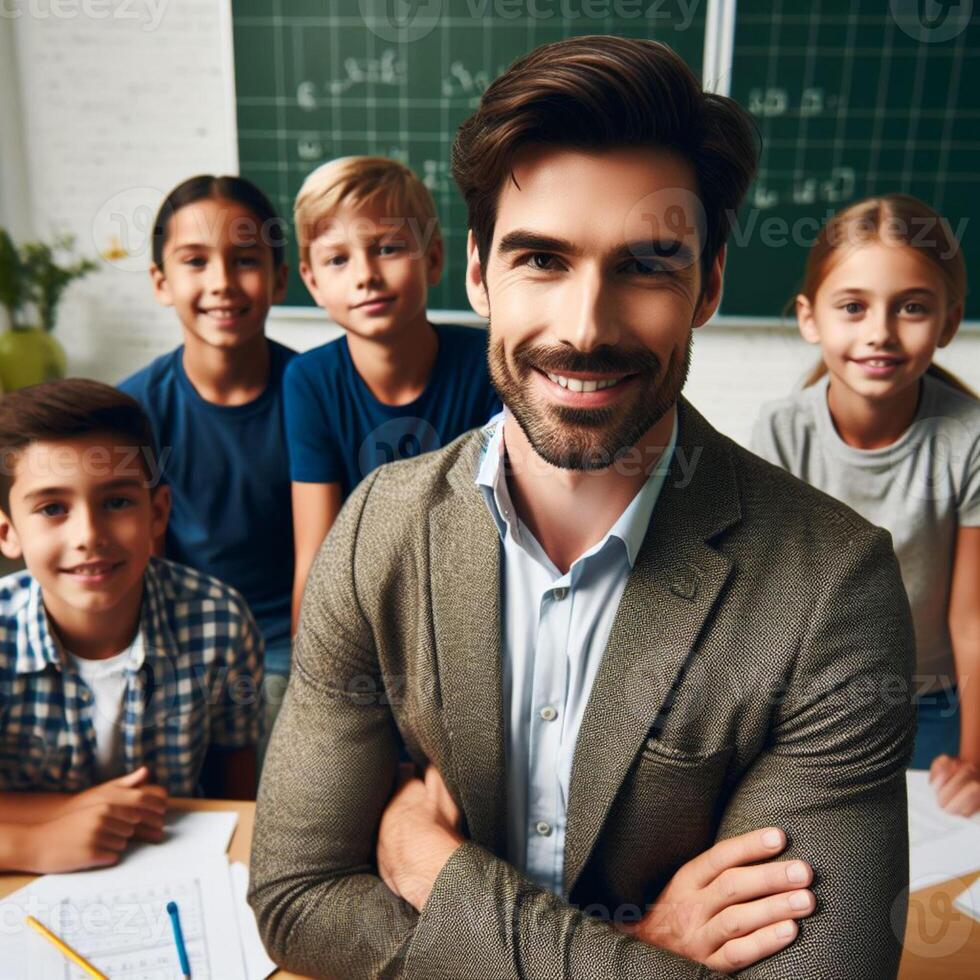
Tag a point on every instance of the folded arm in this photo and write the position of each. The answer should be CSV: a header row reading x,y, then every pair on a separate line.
x,y
833,779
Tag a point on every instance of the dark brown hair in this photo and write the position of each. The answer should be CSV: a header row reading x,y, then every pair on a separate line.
x,y
602,91
68,409
205,187
895,219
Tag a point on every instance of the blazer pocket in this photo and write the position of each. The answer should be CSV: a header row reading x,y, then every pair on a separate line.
x,y
658,750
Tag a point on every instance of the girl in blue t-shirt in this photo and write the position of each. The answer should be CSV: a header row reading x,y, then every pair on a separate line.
x,y
880,426
216,404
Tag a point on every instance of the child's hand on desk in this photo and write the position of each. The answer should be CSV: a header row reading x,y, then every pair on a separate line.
x,y
133,792
957,784
89,837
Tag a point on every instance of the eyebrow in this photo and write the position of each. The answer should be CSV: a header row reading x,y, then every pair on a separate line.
x,y
202,245
122,483
522,240
858,291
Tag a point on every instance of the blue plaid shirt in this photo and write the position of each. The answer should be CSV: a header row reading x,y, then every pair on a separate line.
x,y
193,680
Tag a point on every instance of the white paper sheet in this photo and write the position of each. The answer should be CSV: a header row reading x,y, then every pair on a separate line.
x,y
969,901
117,919
257,963
188,831
941,845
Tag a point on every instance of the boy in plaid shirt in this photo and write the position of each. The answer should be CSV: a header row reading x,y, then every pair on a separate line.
x,y
123,677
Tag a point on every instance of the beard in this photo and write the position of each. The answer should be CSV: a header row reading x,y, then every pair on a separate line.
x,y
587,438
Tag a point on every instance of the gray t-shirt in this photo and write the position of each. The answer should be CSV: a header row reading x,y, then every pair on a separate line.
x,y
921,488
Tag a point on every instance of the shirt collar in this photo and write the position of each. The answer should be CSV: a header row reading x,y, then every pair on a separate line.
x,y
630,527
37,646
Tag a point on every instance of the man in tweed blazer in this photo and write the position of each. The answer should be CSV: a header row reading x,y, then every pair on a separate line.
x,y
745,661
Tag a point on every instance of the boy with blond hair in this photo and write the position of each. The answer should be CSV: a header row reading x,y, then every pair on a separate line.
x,y
124,678
396,385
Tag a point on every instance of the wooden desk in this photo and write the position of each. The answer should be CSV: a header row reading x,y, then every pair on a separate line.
x,y
941,943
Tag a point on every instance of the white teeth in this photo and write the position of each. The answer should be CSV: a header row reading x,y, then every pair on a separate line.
x,y
577,384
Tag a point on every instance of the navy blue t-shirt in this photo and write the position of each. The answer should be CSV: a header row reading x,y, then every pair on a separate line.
x,y
338,432
228,471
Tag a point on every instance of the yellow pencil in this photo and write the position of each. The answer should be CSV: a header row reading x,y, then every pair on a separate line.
x,y
66,949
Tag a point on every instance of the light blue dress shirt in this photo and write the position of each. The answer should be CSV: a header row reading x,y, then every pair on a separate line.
x,y
554,633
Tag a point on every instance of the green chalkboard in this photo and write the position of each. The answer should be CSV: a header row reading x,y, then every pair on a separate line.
x,y
318,79
852,97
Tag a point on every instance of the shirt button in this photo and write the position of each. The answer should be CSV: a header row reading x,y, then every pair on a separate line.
x,y
543,828
560,593
548,713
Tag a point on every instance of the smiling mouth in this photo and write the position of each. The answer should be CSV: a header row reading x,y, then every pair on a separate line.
x,y
225,312
585,384
879,361
94,569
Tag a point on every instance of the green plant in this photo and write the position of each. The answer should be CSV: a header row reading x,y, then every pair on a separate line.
x,y
11,276
37,275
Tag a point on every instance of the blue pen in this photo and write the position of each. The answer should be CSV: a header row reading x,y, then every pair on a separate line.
x,y
174,913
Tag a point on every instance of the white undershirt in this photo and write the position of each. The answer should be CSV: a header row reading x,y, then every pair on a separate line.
x,y
106,679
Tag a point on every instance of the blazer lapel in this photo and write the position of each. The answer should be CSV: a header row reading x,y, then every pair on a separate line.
x,y
670,592
464,557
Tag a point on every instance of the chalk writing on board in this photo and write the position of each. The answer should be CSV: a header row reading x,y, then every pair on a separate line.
x,y
835,187
385,70
309,147
775,101
435,175
461,81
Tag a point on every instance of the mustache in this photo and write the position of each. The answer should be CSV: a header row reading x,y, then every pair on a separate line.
x,y
603,360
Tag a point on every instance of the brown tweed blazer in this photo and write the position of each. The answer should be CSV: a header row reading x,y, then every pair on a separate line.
x,y
758,672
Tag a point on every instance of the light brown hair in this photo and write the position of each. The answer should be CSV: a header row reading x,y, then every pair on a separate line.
x,y
897,219
360,180
599,92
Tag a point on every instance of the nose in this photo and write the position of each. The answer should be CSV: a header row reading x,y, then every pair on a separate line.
x,y
221,276
366,269
585,318
879,326
88,531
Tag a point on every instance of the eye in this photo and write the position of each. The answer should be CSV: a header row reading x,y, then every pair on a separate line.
x,y
532,261
248,261
118,503
853,308
52,510
196,261
646,267
336,261
391,248
914,308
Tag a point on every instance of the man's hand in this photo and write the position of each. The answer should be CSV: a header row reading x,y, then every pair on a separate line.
x,y
957,785
723,910
134,792
419,831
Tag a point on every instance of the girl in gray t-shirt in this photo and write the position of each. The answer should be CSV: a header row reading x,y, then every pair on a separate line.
x,y
880,427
